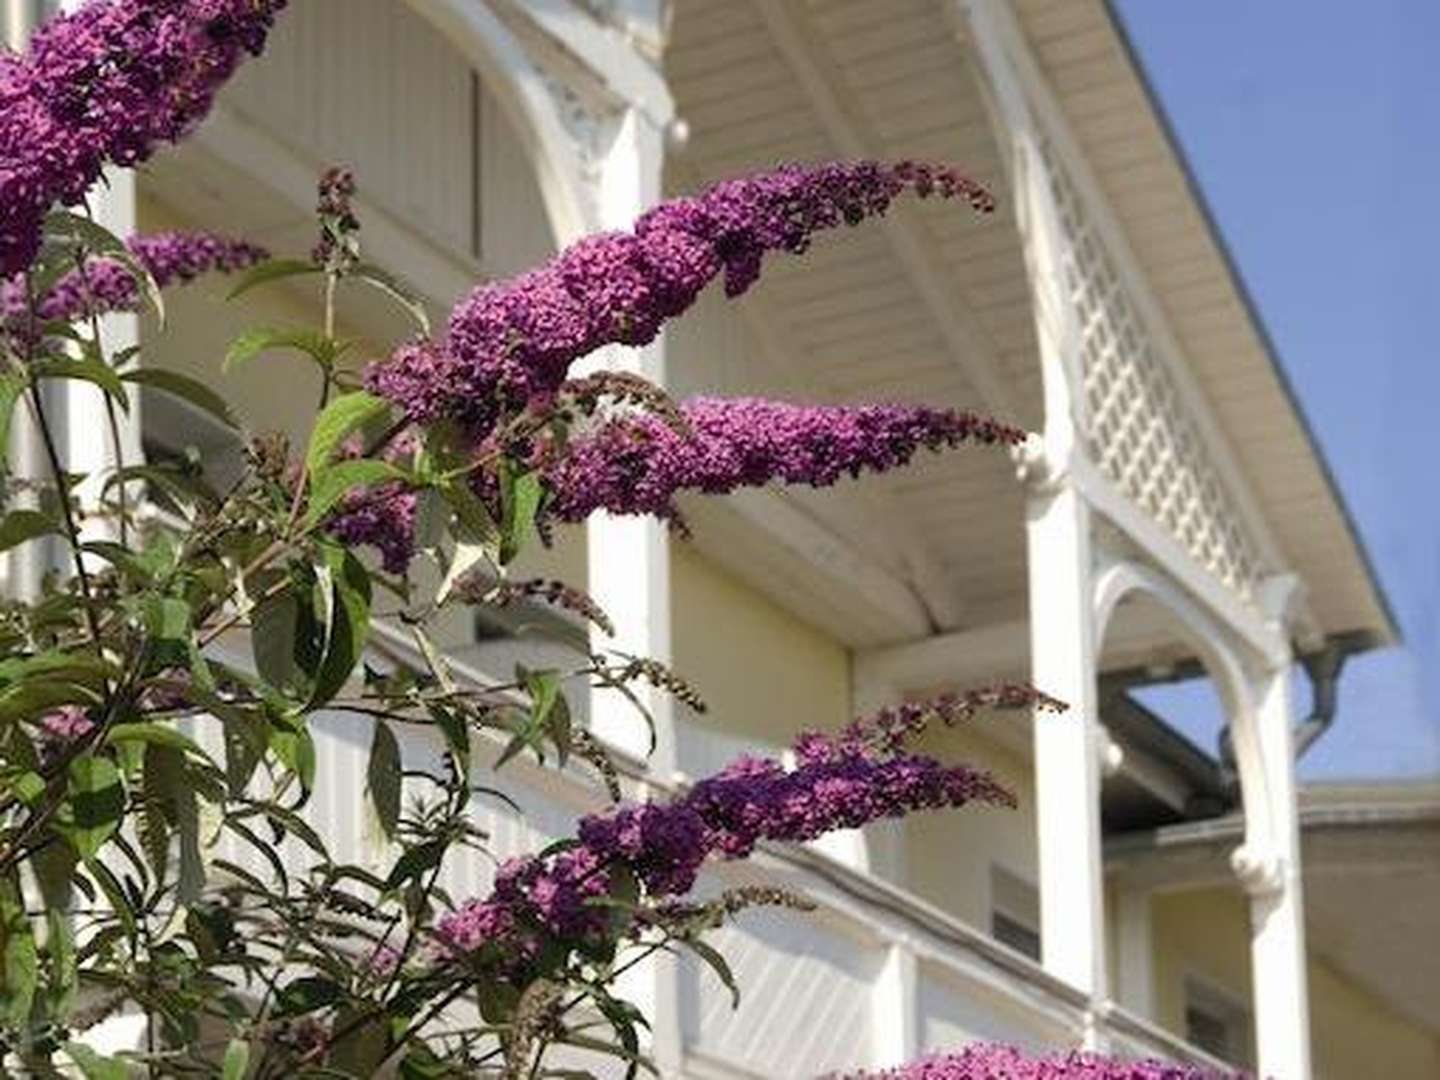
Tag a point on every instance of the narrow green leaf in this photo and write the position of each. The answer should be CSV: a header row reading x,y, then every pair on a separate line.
x,y
306,994
95,239
94,1065
18,526
252,343
414,862
344,415
21,965
271,270
185,388
276,623
349,584
520,497
153,734
237,1060
12,385
97,801
382,777
719,965
333,482
91,371
397,290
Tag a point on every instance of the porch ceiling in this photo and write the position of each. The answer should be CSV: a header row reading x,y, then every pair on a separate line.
x,y
931,305
928,305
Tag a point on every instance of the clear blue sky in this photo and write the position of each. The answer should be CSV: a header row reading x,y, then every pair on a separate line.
x,y
1313,127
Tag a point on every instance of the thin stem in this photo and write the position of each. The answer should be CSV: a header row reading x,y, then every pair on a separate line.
x,y
71,529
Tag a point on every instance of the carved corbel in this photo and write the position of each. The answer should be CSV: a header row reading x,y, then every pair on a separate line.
x,y
1260,874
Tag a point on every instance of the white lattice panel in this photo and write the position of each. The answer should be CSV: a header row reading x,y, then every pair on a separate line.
x,y
1136,425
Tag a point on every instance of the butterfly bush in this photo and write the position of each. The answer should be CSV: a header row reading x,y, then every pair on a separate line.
x,y
513,342
994,1062
638,464
106,85
852,783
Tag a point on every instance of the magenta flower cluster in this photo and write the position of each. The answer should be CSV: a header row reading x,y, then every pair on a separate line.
x,y
638,464
511,343
106,85
888,730
664,845
981,1061
106,284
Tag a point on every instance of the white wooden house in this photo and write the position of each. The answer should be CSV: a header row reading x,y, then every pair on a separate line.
x,y
1172,517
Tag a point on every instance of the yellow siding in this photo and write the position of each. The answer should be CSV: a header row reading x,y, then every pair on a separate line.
x,y
950,854
1202,934
764,674
1205,934
1355,1035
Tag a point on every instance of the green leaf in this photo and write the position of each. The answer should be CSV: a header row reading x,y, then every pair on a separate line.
x,y
32,699
91,371
397,290
271,270
12,385
349,625
719,965
85,668
276,623
96,1066
64,978
21,965
185,388
361,1050
457,735
344,415
382,777
237,1060
167,619
333,482
97,801
19,526
414,862
152,734
520,500
306,994
252,343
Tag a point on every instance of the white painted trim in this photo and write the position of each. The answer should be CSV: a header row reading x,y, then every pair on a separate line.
x,y
627,74
475,31
1156,541
781,518
979,654
1003,44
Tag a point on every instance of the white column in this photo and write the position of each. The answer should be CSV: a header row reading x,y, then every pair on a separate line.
x,y
25,564
1277,910
1135,952
629,575
895,1015
629,557
1067,768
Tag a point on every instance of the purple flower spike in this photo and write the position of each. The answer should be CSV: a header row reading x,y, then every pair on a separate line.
x,y
106,85
638,464
514,341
